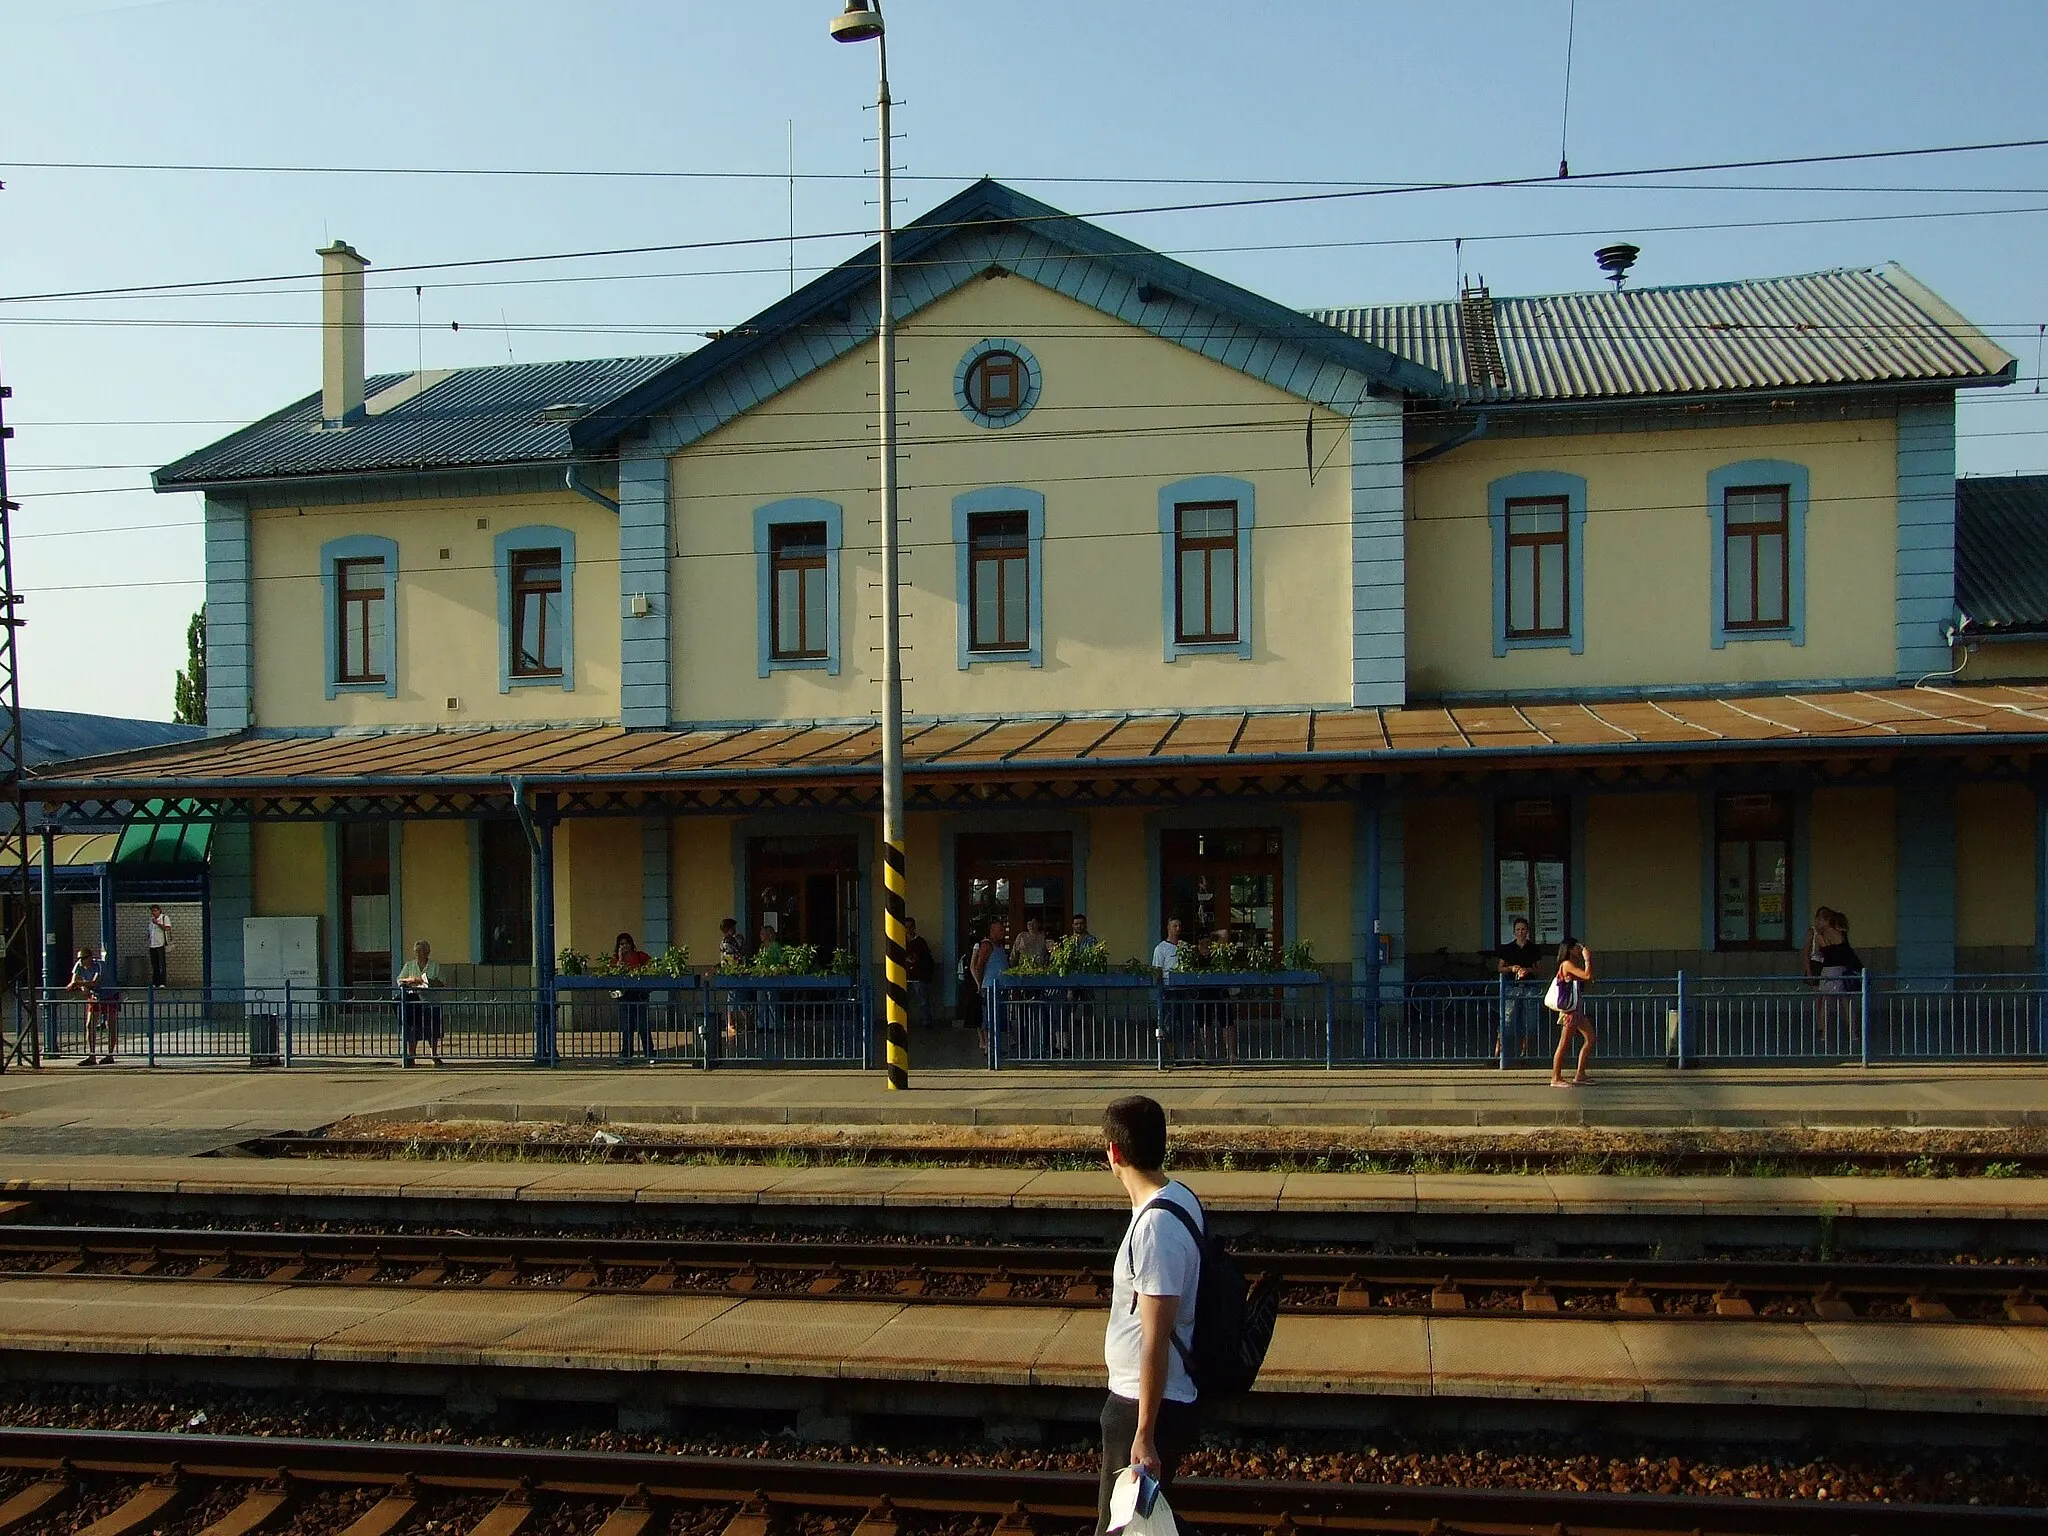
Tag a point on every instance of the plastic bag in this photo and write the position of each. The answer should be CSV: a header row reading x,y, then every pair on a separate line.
x,y
1138,1508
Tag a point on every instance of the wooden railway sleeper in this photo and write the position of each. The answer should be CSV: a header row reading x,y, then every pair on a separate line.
x,y
1016,1521
55,1493
1084,1288
880,1520
1447,1296
825,1284
1539,1297
142,1265
509,1514
433,1273
2020,1307
582,1279
1830,1307
1354,1295
258,1508
751,1518
390,1514
1730,1302
1631,1301
631,1518
744,1279
662,1277
146,1508
996,1288
1923,1308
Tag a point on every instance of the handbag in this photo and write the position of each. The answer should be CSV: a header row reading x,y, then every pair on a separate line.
x,y
1563,995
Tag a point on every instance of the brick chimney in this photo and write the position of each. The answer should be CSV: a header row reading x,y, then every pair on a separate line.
x,y
341,334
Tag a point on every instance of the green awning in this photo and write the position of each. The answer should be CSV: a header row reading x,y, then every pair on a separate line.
x,y
158,835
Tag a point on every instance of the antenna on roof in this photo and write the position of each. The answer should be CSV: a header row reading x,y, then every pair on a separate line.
x,y
1615,260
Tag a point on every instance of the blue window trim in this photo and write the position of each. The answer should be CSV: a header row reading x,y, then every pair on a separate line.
x,y
536,536
1208,488
361,546
796,509
1033,379
1760,472
1539,482
999,498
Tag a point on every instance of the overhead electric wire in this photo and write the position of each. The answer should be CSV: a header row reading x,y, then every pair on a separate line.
x,y
1060,216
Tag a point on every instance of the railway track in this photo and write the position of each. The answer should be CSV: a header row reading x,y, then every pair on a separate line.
x,y
1320,1282
59,1482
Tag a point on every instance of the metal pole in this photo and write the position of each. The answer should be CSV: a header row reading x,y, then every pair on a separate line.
x,y
544,932
895,884
21,1045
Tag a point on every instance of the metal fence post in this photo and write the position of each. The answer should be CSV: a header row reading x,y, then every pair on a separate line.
x,y
1682,1013
150,1030
284,1025
992,1017
1159,1025
1863,1015
1500,1020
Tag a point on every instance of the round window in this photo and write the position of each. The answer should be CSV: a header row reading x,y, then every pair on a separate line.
x,y
997,383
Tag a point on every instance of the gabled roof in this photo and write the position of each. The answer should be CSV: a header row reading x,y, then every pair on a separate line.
x,y
1847,327
990,207
2002,554
460,418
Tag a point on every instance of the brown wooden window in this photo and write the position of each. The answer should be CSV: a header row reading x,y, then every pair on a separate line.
x,y
505,893
999,581
359,648
1756,537
1752,871
538,620
1538,568
1226,878
1205,558
797,591
364,849
995,383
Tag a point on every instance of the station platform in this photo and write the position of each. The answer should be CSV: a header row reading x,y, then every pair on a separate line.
x,y
189,1109
538,1342
861,1189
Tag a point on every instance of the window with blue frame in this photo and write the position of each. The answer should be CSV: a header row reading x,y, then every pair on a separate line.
x,y
1537,525
1205,527
797,545
999,543
1758,509
536,608
359,601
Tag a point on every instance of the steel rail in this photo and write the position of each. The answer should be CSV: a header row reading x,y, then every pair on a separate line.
x,y
877,1494
1025,1275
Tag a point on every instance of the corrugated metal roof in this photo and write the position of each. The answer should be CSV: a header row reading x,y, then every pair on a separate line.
x,y
1335,740
1855,326
464,418
2002,552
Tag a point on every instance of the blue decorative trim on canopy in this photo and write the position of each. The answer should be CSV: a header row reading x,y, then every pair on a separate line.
x,y
795,509
999,498
1759,472
1535,483
536,536
1033,379
361,546
1208,488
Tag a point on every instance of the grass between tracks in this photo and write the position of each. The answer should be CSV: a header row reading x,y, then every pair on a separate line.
x,y
1772,1153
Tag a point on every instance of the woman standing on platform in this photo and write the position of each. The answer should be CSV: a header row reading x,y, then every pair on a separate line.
x,y
1567,999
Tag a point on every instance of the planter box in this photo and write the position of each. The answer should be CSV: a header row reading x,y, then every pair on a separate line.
x,y
628,983
1245,979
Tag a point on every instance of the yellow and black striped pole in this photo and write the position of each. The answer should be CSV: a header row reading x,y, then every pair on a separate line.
x,y
897,962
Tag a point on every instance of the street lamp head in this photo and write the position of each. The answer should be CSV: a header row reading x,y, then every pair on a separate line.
x,y
857,23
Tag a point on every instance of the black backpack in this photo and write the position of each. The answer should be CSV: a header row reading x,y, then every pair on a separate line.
x,y
1233,1320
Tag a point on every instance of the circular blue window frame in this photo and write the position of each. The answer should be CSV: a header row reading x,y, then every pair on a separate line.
x,y
1032,381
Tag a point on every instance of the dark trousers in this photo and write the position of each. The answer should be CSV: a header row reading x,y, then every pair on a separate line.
x,y
634,1025
159,965
1175,1433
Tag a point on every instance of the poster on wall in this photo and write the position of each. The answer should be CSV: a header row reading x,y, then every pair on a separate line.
x,y
1515,896
1549,923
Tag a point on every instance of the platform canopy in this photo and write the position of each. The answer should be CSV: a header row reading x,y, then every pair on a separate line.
x,y
1042,761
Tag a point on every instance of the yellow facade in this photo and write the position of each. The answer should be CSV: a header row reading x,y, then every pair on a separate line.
x,y
1144,413
437,896
2016,659
1445,851
449,636
1995,866
1853,838
1648,560
289,868
597,883
1643,872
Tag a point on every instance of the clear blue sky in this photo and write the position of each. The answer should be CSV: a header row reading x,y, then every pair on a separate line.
x,y
1028,92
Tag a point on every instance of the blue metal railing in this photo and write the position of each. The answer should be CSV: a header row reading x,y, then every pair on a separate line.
x,y
1242,1020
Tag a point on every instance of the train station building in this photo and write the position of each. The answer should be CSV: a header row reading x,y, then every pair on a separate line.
x,y
1645,613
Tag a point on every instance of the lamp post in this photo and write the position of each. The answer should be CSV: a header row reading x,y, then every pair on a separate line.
x,y
858,23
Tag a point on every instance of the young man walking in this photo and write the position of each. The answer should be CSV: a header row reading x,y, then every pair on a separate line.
x,y
1150,1418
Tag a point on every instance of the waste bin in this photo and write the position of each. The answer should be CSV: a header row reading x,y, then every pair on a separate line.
x,y
263,1047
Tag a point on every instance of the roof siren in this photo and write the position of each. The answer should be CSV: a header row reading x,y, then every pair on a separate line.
x,y
1615,260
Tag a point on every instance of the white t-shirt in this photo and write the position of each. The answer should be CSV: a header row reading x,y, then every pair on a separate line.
x,y
1157,1257
1166,956
160,932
